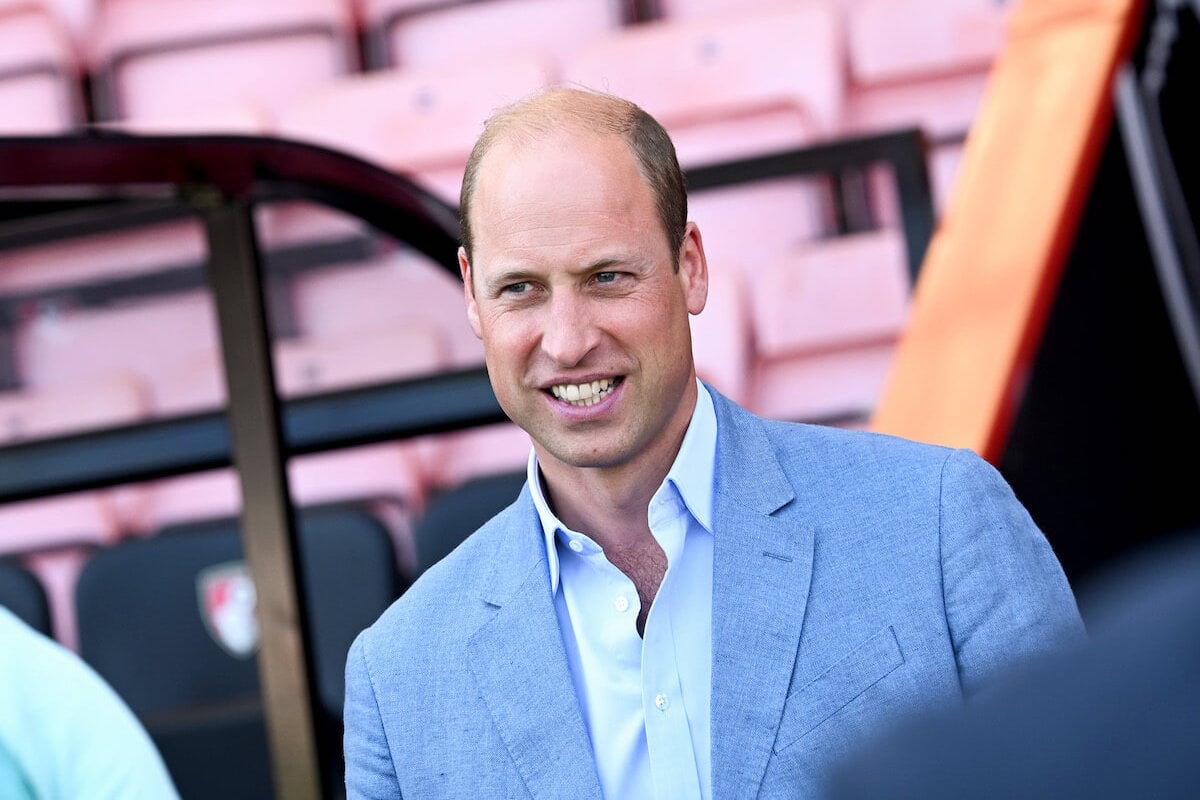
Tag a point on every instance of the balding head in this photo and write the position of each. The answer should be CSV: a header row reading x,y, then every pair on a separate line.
x,y
595,113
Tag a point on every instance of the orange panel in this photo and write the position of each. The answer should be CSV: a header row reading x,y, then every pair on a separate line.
x,y
993,265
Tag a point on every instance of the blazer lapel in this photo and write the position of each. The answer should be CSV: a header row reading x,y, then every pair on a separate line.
x,y
518,660
762,566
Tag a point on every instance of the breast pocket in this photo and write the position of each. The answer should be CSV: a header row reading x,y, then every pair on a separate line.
x,y
838,686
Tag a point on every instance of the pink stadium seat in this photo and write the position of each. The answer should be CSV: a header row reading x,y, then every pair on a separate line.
x,y
53,537
87,259
103,401
448,460
722,336
387,475
422,33
154,60
922,63
40,87
401,288
147,338
728,86
405,349
826,318
422,120
689,9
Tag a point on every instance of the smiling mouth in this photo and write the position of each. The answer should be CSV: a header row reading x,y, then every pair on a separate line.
x,y
582,395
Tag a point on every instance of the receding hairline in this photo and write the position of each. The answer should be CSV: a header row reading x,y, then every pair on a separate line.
x,y
566,108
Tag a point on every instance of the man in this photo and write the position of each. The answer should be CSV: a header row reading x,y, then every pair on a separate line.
x,y
685,600
1111,719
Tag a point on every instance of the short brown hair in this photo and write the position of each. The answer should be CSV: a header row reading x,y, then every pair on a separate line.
x,y
594,111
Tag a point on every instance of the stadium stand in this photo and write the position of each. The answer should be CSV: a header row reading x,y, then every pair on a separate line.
x,y
809,295
416,33
169,623
921,63
419,120
226,53
40,89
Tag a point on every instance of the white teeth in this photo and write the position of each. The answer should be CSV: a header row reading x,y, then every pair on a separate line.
x,y
583,394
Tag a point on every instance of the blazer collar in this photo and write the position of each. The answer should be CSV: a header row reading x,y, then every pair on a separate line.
x,y
520,666
762,567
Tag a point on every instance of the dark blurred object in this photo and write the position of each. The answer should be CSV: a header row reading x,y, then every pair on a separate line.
x,y
454,514
22,594
1116,718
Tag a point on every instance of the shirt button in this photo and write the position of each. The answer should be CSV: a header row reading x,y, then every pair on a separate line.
x,y
661,701
621,603
575,545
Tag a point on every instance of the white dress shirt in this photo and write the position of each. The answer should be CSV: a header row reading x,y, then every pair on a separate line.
x,y
645,701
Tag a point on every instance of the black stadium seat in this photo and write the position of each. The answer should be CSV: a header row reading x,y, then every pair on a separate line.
x,y
22,594
454,514
167,621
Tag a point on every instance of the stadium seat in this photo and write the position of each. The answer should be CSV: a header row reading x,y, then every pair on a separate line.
x,y
729,86
65,265
452,515
827,316
386,476
146,338
21,593
170,623
421,121
54,534
400,288
40,77
723,336
418,33
152,60
53,537
921,63
101,401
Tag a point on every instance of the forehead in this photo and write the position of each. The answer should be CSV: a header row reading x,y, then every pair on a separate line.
x,y
560,191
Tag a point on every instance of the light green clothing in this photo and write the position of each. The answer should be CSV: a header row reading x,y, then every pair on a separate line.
x,y
64,733
13,785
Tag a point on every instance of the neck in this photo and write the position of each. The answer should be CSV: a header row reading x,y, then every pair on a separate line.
x,y
610,504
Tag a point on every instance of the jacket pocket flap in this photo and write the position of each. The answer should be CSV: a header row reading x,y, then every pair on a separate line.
x,y
836,687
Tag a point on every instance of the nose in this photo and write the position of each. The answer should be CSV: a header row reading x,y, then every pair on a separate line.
x,y
569,331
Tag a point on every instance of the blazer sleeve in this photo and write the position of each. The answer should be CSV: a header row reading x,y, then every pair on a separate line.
x,y
370,772
1006,597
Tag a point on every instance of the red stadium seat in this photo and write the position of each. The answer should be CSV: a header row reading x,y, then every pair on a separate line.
x,y
411,33
40,86
153,60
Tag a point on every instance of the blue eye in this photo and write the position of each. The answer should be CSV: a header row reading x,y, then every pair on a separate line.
x,y
516,288
606,277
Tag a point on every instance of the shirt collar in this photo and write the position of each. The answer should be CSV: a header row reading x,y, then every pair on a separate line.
x,y
691,474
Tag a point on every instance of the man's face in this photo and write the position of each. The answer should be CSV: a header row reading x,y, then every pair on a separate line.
x,y
572,289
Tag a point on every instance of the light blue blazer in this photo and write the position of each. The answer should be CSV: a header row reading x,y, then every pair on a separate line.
x,y
856,577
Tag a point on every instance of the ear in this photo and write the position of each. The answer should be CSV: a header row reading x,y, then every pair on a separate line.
x,y
464,267
693,269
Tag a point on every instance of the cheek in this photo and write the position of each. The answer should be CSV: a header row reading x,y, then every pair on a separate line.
x,y
507,340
